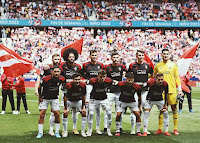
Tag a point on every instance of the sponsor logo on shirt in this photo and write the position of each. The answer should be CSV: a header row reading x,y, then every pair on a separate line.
x,y
69,73
157,93
100,90
94,73
115,74
76,94
141,72
53,88
127,93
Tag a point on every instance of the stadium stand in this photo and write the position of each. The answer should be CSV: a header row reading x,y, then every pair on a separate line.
x,y
39,44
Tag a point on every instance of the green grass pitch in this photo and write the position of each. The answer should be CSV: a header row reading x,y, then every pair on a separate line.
x,y
23,127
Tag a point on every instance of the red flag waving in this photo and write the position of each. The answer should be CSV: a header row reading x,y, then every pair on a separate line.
x,y
12,63
76,45
147,59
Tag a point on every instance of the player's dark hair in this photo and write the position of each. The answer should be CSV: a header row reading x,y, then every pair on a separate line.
x,y
55,67
159,75
55,55
129,75
93,51
139,51
70,51
114,53
102,72
165,49
76,75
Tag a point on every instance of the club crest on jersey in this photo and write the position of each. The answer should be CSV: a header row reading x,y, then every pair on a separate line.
x,y
146,66
75,68
120,68
98,67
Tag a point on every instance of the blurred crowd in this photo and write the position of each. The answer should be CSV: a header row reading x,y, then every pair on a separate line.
x,y
39,44
142,10
147,10
49,10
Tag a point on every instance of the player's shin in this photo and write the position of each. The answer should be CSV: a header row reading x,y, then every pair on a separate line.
x,y
175,118
133,118
109,114
166,120
160,121
74,117
138,122
105,121
117,124
90,120
57,128
40,128
51,121
98,118
65,123
83,123
57,122
145,120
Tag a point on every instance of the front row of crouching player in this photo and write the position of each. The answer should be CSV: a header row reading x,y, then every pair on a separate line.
x,y
75,97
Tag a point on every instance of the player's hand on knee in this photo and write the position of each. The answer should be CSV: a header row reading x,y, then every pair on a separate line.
x,y
83,111
180,93
40,100
36,93
140,111
65,113
165,107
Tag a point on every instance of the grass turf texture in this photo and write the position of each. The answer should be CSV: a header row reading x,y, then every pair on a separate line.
x,y
23,127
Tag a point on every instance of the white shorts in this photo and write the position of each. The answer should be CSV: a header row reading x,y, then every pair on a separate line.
x,y
149,104
76,104
96,103
133,106
143,97
113,97
55,105
88,91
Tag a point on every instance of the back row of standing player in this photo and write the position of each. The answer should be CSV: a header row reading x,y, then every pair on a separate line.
x,y
115,71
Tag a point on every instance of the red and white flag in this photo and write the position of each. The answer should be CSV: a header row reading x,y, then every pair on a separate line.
x,y
185,60
12,63
184,64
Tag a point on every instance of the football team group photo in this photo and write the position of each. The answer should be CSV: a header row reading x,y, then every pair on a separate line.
x,y
100,71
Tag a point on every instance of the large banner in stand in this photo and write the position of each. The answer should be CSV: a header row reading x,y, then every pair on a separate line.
x,y
88,23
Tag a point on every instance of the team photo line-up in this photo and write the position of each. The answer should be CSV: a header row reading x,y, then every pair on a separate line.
x,y
88,88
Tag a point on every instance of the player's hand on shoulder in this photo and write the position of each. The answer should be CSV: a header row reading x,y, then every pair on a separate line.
x,y
84,80
115,82
46,67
